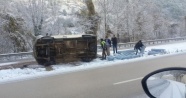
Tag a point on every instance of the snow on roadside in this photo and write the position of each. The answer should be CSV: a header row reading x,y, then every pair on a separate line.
x,y
11,75
170,48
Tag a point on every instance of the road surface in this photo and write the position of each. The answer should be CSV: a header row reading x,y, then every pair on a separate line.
x,y
116,81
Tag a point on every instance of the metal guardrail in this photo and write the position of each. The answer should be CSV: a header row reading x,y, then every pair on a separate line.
x,y
15,56
23,55
148,42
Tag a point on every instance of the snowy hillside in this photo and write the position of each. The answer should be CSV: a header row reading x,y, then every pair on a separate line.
x,y
130,20
22,20
173,8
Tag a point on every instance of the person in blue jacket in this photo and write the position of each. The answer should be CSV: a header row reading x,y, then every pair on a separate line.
x,y
108,44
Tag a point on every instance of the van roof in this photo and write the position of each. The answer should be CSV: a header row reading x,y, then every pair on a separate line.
x,y
69,36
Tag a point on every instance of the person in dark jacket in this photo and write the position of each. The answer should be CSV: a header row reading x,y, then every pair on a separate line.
x,y
114,44
139,46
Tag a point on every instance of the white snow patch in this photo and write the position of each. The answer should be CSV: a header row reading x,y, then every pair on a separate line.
x,y
3,64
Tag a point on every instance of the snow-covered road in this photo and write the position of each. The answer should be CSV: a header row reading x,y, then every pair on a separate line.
x,y
20,74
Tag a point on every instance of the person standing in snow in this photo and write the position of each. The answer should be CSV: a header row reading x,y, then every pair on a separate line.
x,y
104,49
114,44
139,46
108,44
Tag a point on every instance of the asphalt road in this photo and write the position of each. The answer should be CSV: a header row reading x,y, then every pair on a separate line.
x,y
117,81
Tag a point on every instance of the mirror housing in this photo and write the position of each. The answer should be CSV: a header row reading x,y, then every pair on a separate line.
x,y
156,83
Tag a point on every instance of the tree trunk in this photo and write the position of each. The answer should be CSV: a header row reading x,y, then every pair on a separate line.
x,y
93,17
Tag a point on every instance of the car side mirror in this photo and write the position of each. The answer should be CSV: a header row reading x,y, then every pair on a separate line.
x,y
165,83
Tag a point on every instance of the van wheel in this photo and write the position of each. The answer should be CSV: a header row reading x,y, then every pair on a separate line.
x,y
86,59
41,61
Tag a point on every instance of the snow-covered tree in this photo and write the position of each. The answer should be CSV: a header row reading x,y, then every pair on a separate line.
x,y
93,18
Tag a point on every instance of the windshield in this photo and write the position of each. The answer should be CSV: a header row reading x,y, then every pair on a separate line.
x,y
87,48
